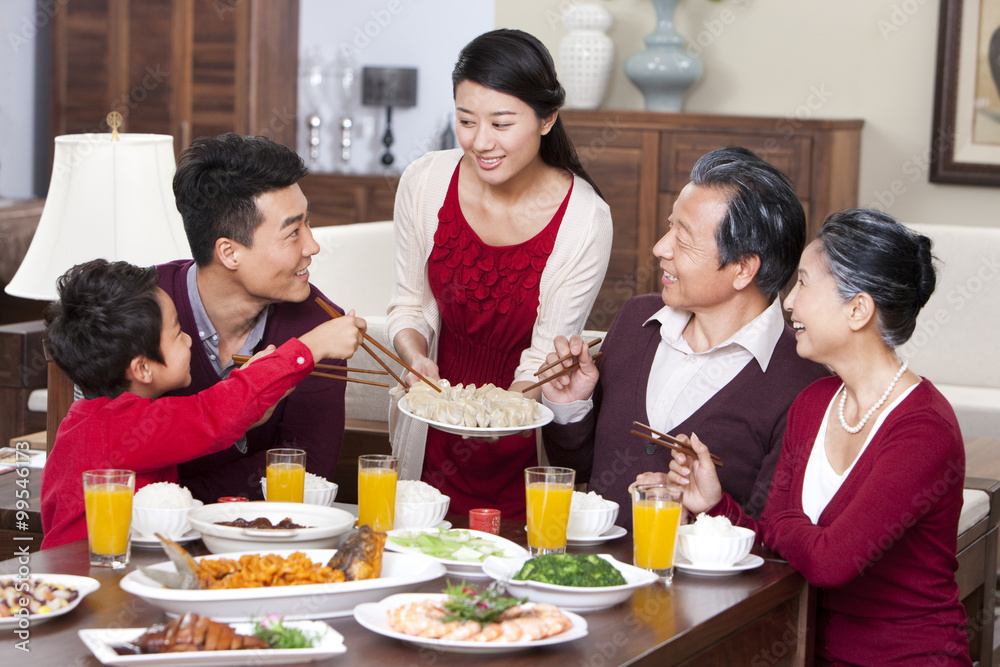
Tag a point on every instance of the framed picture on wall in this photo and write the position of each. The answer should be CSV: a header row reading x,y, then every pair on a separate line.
x,y
965,144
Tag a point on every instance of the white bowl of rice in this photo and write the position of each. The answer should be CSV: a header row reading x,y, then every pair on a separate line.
x,y
590,515
418,505
162,507
317,490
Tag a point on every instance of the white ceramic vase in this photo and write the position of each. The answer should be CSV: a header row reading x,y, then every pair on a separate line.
x,y
586,55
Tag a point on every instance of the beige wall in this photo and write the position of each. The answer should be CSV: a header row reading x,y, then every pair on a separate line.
x,y
868,59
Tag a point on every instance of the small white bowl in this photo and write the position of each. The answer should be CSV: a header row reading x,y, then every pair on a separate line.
x,y
411,516
590,523
172,523
322,497
714,550
323,526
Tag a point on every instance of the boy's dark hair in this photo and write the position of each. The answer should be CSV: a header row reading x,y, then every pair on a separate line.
x,y
107,314
217,181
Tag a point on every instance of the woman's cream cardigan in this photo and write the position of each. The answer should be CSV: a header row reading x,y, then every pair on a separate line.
x,y
567,290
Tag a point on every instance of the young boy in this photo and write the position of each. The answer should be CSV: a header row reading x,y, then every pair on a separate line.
x,y
117,336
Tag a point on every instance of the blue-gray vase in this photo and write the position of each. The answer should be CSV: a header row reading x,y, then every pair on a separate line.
x,y
665,70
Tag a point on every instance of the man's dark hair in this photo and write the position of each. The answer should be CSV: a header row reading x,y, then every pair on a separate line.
x,y
107,314
764,216
216,184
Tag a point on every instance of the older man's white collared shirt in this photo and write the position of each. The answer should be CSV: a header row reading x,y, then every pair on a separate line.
x,y
680,380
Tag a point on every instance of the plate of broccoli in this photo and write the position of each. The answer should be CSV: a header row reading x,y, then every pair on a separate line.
x,y
577,582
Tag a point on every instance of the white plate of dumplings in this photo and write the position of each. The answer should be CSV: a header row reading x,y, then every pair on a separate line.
x,y
483,412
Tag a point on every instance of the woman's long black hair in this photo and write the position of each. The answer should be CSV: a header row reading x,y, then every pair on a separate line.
x,y
516,63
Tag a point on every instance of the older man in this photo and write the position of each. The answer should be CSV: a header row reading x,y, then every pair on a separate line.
x,y
248,225
711,354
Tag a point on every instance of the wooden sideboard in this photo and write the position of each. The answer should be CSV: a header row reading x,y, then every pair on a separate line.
x,y
641,160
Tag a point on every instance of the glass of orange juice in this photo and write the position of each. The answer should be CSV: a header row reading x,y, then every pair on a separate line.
x,y
549,491
656,514
107,497
377,491
286,475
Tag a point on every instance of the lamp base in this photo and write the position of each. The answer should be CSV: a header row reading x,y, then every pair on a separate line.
x,y
387,158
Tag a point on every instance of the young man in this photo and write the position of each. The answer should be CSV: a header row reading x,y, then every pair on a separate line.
x,y
117,336
710,354
247,222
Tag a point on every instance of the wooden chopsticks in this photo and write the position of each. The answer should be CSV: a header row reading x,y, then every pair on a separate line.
x,y
559,374
562,359
240,359
334,315
670,441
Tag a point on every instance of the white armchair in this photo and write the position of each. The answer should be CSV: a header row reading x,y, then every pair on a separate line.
x,y
354,270
954,344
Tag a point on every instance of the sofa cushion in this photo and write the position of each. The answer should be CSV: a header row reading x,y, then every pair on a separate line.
x,y
354,266
954,343
975,507
956,330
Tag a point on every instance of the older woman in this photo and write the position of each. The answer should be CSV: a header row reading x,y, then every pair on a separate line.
x,y
867,493
500,246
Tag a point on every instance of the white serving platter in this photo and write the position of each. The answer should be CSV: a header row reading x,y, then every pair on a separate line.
x,y
400,572
572,598
101,641
476,432
462,568
324,526
84,586
374,616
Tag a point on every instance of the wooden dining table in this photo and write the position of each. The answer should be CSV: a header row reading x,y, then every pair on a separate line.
x,y
754,617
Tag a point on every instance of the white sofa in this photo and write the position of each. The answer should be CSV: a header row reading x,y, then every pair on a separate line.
x,y
955,341
354,270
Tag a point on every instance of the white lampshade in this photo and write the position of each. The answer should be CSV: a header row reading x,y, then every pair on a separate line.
x,y
107,198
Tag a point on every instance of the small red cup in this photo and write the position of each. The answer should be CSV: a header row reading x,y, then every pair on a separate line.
x,y
232,499
486,520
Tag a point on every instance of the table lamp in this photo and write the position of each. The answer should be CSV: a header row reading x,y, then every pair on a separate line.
x,y
389,87
110,196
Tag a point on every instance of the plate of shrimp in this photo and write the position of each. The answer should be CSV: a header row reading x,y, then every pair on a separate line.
x,y
417,618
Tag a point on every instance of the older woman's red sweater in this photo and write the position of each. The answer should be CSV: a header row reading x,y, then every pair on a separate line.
x,y
883,550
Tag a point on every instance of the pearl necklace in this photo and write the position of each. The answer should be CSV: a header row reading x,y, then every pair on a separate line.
x,y
878,404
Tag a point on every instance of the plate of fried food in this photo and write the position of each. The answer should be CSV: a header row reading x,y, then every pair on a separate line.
x,y
476,412
305,584
198,641
464,621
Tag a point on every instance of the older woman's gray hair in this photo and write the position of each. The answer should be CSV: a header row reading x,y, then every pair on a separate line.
x,y
870,251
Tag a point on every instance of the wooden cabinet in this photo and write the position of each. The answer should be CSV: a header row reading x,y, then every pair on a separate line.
x,y
340,199
641,161
187,68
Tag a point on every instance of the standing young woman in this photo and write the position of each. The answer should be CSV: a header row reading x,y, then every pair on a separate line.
x,y
868,490
500,246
